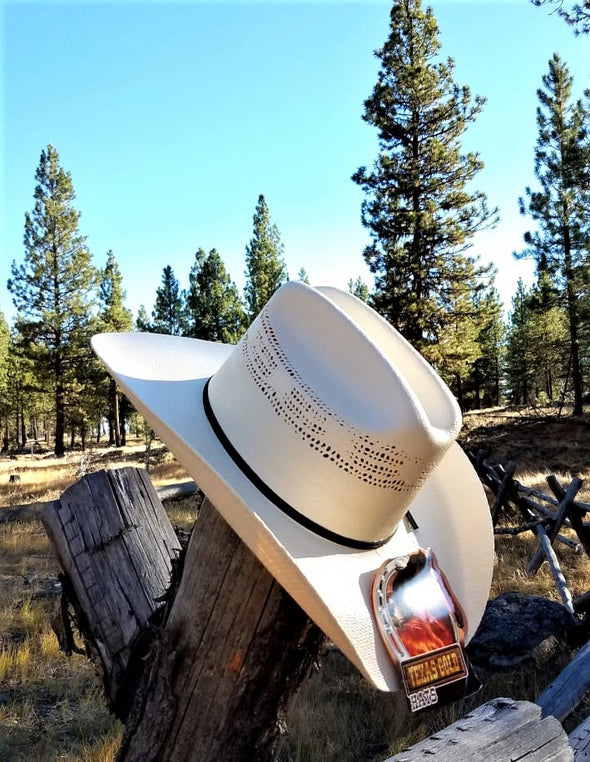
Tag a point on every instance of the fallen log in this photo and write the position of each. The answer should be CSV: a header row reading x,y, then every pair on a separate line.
x,y
35,510
498,731
563,695
554,565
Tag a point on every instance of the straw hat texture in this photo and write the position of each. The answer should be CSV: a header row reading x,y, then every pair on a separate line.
x,y
328,444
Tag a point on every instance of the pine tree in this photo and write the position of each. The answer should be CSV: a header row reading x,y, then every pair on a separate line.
x,y
359,289
487,375
548,333
561,242
265,267
142,321
458,348
168,312
213,308
519,349
417,207
54,289
302,276
113,317
577,16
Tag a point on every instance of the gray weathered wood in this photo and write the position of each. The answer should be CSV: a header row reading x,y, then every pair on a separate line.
x,y
500,731
560,517
503,491
576,513
116,546
556,572
580,741
209,673
565,692
233,651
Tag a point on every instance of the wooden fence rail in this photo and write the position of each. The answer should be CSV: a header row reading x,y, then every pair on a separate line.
x,y
543,514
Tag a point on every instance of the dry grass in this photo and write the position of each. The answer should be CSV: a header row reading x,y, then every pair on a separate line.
x,y
44,477
51,707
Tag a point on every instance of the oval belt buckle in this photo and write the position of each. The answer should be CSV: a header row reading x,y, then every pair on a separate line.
x,y
423,628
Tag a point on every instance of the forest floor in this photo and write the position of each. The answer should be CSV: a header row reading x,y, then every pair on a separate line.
x,y
51,706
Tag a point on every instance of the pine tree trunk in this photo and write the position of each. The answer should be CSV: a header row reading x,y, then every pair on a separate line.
x,y
114,395
573,320
23,428
60,429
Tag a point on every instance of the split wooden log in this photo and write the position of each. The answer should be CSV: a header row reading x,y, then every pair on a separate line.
x,y
221,661
563,695
576,513
498,731
560,517
503,491
556,572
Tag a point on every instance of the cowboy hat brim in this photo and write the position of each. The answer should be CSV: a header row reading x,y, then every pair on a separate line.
x,y
164,376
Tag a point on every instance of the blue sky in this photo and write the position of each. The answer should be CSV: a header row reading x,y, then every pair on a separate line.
x,y
173,117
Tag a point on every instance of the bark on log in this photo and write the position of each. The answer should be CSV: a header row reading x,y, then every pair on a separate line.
x,y
224,658
498,731
234,650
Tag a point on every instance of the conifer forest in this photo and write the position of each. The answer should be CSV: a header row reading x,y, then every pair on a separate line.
x,y
422,206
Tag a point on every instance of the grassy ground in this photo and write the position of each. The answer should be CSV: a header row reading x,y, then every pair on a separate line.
x,y
51,706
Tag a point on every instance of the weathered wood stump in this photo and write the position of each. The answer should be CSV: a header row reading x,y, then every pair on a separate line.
x,y
116,547
206,674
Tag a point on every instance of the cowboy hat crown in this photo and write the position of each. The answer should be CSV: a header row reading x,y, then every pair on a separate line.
x,y
333,413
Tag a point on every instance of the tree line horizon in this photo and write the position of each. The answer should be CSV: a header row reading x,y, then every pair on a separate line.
x,y
421,215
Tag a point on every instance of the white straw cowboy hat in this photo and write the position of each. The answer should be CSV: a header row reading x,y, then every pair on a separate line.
x,y
313,437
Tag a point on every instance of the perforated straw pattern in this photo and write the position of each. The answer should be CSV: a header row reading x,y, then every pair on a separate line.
x,y
369,459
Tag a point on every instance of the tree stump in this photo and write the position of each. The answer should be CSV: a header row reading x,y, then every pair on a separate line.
x,y
210,672
116,547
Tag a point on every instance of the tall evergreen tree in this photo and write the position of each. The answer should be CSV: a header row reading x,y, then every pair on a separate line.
x,y
142,321
168,312
114,317
54,289
458,348
213,308
519,348
417,207
265,267
359,289
560,245
487,374
548,331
